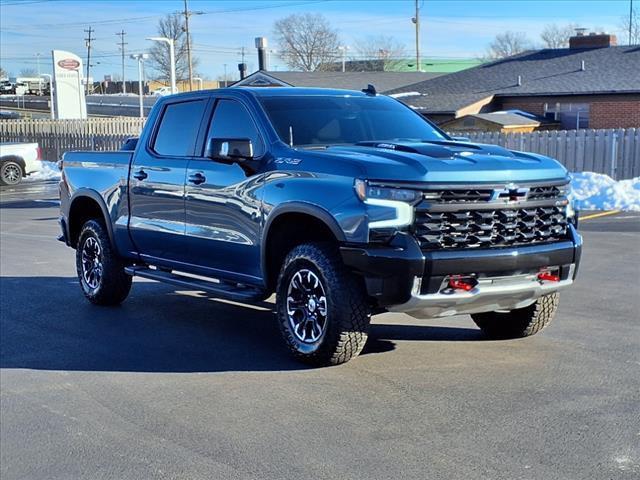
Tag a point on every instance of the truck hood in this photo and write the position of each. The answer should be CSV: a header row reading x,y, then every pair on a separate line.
x,y
447,162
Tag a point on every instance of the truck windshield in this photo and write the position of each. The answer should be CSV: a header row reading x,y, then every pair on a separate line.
x,y
308,121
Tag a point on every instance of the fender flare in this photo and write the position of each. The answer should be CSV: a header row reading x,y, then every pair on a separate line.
x,y
297,207
96,197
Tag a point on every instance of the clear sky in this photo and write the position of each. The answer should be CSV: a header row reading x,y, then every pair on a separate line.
x,y
452,29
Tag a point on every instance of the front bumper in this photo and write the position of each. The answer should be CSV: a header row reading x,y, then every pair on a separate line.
x,y
402,278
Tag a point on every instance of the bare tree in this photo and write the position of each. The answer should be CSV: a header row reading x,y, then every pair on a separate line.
x,y
507,44
28,72
306,41
554,36
3,73
379,50
630,27
171,26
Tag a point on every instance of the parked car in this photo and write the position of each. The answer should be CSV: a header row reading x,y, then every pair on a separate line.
x,y
17,160
343,203
161,92
7,88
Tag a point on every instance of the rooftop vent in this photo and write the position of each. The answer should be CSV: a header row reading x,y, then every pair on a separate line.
x,y
593,40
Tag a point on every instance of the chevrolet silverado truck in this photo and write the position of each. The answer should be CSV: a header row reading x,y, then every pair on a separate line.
x,y
344,204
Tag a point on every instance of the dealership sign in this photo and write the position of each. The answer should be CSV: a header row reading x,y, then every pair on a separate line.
x,y
68,85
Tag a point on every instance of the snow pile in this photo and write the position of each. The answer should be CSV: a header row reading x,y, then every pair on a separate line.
x,y
595,191
405,94
47,171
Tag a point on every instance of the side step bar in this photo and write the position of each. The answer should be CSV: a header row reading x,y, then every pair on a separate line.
x,y
226,290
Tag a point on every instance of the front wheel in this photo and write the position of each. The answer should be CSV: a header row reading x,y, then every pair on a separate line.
x,y
100,271
323,309
10,173
522,322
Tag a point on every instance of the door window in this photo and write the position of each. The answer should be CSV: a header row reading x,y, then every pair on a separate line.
x,y
232,120
178,130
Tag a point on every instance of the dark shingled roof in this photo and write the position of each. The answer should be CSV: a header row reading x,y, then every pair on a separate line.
x,y
543,72
351,80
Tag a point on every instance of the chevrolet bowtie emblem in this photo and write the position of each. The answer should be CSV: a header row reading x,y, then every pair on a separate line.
x,y
510,193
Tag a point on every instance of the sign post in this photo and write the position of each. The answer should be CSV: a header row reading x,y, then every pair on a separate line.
x,y
68,93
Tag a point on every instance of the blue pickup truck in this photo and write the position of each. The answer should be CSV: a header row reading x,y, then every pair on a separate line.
x,y
342,203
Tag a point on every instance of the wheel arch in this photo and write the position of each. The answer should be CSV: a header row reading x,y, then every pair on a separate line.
x,y
86,205
289,225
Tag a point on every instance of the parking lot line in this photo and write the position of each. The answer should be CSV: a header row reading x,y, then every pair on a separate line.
x,y
601,214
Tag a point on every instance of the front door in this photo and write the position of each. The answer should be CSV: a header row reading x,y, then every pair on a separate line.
x,y
157,182
223,208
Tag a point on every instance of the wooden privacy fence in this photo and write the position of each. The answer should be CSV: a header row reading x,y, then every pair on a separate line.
x,y
56,137
615,152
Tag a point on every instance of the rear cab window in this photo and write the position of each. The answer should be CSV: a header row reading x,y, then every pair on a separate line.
x,y
177,132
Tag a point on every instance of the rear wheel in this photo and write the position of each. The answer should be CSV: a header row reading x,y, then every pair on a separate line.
x,y
100,271
521,322
10,173
323,309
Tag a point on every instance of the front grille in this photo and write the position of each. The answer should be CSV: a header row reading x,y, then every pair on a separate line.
x,y
465,196
487,228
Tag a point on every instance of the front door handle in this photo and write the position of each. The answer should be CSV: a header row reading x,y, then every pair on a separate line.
x,y
140,175
197,178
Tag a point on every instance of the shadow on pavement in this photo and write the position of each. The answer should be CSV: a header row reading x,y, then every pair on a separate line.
x,y
46,324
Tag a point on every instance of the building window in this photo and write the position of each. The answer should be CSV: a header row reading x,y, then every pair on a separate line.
x,y
572,116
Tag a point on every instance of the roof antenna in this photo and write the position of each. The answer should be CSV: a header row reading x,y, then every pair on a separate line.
x,y
370,90
290,136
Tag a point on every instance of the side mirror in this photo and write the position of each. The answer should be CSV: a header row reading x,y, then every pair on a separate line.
x,y
230,149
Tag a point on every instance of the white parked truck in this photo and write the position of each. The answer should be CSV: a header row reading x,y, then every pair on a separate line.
x,y
17,160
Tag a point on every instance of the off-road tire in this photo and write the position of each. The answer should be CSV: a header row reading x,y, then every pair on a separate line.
x,y
115,284
522,322
347,305
16,173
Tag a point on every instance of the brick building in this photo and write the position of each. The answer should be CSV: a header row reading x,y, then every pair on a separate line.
x,y
591,84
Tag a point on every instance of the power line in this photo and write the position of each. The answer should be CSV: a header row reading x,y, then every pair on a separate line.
x,y
122,43
88,41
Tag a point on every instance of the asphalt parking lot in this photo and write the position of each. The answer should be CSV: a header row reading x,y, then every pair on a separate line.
x,y
175,384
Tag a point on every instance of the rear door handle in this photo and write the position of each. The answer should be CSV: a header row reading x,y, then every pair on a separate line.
x,y
197,178
140,175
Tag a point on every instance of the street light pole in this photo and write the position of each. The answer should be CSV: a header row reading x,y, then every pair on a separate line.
x,y
172,59
141,58
199,80
344,49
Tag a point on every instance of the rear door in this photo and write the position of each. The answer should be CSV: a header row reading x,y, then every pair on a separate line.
x,y
223,214
157,181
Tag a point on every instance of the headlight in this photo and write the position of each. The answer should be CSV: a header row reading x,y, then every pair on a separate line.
x,y
401,200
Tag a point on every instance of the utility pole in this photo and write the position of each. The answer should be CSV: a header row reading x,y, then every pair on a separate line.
x,y
88,41
416,21
188,14
122,43
225,75
630,19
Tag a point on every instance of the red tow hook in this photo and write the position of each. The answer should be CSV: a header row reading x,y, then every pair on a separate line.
x,y
548,276
462,283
